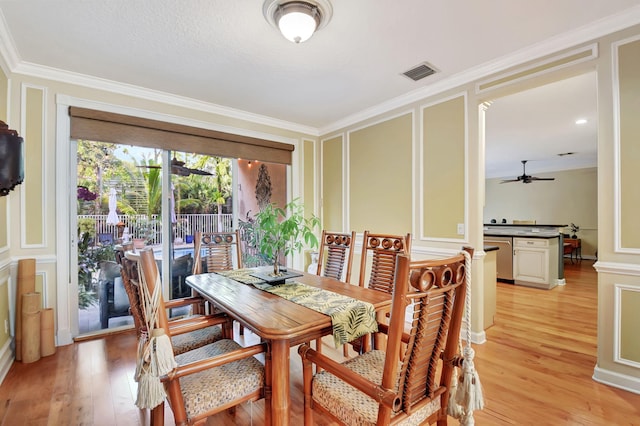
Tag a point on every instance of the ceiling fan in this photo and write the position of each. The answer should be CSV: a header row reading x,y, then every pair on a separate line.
x,y
525,178
178,168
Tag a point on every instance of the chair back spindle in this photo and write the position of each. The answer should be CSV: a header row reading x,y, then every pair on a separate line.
x,y
336,255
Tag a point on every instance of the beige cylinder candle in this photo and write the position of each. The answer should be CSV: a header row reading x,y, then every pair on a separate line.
x,y
26,284
31,304
47,334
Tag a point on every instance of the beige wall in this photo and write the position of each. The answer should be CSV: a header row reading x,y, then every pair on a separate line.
x,y
628,72
443,178
332,184
380,179
571,198
4,226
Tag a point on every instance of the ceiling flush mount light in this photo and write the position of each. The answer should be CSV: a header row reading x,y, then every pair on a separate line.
x,y
297,20
581,121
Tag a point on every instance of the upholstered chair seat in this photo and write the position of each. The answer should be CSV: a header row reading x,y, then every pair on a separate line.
x,y
207,390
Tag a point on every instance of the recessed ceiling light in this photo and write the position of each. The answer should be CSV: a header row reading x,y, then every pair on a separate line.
x,y
581,121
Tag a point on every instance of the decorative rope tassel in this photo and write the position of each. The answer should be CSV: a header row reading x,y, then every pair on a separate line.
x,y
161,359
469,394
142,341
468,390
453,408
150,390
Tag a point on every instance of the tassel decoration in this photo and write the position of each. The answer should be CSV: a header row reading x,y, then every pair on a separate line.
x,y
161,359
469,393
150,391
453,408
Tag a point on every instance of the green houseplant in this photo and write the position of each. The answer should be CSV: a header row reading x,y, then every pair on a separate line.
x,y
283,231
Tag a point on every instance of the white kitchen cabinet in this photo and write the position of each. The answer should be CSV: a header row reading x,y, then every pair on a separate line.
x,y
535,262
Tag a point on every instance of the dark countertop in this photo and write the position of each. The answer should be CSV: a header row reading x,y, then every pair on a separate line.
x,y
525,225
491,248
521,235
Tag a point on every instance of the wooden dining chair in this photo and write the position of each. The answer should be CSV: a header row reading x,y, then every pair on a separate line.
x,y
212,378
335,256
382,250
374,388
215,251
188,332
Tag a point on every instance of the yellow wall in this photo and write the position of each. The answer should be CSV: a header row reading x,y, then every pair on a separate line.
x,y
4,226
629,70
443,170
33,186
332,185
380,180
629,320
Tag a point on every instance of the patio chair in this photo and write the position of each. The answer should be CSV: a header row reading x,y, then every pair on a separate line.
x,y
374,388
209,379
187,333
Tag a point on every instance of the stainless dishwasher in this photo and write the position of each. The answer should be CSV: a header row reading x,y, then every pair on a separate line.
x,y
504,257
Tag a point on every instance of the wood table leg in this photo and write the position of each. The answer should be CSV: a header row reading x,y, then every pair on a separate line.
x,y
280,398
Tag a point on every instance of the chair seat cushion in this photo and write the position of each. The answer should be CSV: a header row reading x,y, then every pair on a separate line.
x,y
194,339
352,406
209,389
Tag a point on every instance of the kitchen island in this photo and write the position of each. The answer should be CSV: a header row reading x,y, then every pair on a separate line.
x,y
529,255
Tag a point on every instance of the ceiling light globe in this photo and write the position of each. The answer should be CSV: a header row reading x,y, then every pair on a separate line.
x,y
297,26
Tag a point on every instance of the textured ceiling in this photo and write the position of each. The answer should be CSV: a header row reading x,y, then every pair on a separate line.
x,y
224,53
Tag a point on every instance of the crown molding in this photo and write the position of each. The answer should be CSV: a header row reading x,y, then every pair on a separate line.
x,y
587,33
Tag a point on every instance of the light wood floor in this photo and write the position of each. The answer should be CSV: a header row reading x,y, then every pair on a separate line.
x,y
535,369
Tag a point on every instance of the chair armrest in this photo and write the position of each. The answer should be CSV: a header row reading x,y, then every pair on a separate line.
x,y
383,396
185,301
186,325
217,361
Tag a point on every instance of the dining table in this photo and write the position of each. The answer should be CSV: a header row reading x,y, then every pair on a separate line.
x,y
280,322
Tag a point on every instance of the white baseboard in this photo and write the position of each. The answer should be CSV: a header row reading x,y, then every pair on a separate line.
x,y
6,359
479,338
617,380
64,337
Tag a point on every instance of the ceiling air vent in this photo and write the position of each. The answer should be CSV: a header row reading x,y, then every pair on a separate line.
x,y
419,72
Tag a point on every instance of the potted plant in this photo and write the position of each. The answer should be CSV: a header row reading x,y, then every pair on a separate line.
x,y
574,228
283,231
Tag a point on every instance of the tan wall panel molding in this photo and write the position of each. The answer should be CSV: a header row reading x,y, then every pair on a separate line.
x,y
627,93
33,190
332,184
442,169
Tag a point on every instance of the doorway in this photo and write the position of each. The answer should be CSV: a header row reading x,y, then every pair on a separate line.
x,y
125,195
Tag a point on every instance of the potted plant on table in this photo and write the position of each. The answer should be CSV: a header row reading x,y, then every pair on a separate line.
x,y
283,231
574,228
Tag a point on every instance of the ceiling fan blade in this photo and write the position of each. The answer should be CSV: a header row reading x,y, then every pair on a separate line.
x,y
510,180
149,167
199,172
539,178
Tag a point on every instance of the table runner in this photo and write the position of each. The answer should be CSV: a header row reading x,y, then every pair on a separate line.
x,y
350,318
